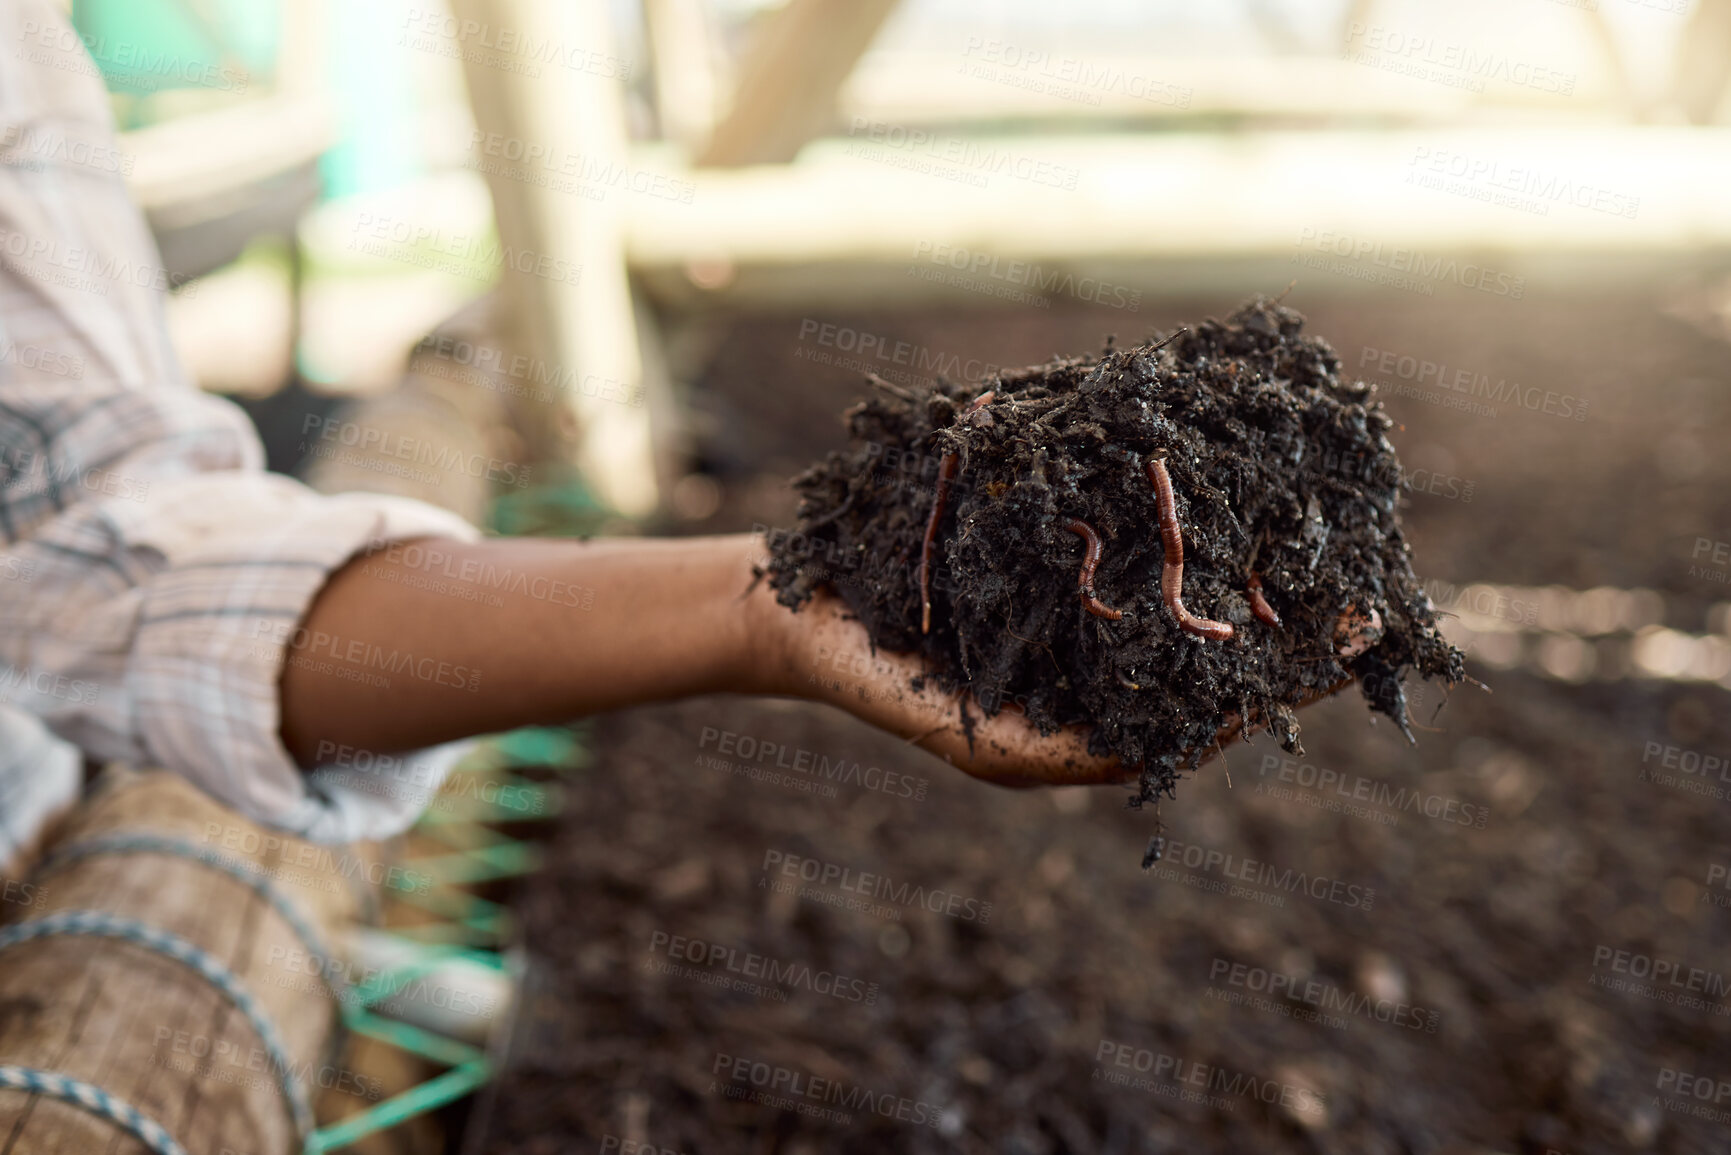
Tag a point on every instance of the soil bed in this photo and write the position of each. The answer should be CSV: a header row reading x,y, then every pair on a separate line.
x,y
1497,928
963,521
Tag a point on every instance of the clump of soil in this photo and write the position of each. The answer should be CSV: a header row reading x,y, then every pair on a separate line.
x,y
1281,471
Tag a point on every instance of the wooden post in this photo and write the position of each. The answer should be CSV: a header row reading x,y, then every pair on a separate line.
x,y
687,61
789,79
566,206
1703,67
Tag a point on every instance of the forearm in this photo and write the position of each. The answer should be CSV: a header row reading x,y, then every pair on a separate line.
x,y
441,639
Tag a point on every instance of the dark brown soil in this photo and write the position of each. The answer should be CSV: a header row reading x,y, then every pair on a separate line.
x,y
1494,1038
1498,929
1281,472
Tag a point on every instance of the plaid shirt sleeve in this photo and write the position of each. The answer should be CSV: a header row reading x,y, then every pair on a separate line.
x,y
153,575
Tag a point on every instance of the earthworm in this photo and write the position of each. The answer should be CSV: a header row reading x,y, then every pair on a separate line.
x,y
946,473
1090,560
1259,604
977,404
1172,574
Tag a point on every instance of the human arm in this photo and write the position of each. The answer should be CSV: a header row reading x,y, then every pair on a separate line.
x,y
522,631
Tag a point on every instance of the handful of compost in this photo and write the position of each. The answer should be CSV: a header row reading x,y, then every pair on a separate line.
x,y
1161,543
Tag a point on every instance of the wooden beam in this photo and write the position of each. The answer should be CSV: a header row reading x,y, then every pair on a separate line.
x,y
1170,196
563,211
914,88
1704,61
789,79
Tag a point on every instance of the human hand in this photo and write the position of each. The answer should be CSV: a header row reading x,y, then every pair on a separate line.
x,y
822,652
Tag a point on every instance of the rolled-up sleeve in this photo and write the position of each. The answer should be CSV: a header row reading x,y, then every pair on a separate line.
x,y
153,575
156,626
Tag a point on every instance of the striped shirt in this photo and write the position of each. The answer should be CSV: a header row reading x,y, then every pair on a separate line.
x,y
152,573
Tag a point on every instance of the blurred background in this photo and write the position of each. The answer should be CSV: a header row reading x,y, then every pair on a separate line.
x,y
638,256
604,191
